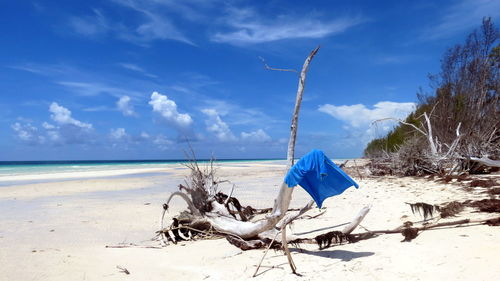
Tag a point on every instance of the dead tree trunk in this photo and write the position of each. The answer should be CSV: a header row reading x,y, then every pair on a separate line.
x,y
285,194
282,202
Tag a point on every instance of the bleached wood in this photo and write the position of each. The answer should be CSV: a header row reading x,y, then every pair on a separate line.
x,y
486,161
285,194
292,216
191,207
356,221
429,135
284,243
230,194
266,66
265,253
186,198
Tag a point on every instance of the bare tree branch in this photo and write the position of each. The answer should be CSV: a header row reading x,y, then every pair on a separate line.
x,y
266,66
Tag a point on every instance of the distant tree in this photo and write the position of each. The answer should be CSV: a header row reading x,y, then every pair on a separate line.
x,y
466,101
467,91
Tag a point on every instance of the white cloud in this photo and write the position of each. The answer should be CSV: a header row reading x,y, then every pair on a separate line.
x,y
95,89
218,127
240,115
157,27
256,136
246,27
358,115
62,116
52,132
92,25
131,66
118,133
136,68
27,133
163,142
358,119
152,24
125,107
168,111
48,126
462,16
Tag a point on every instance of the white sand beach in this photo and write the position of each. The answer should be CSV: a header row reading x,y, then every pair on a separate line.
x,y
59,230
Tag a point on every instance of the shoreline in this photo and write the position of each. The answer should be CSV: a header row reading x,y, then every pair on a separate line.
x,y
60,230
64,176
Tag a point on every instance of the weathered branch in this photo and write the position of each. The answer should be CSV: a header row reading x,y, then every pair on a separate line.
x,y
266,66
402,122
486,161
186,198
357,220
287,251
429,226
285,194
429,135
292,217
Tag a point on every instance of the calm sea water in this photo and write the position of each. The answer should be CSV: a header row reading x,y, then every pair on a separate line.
x,y
11,168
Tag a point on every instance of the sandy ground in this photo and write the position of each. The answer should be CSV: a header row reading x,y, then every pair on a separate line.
x,y
58,230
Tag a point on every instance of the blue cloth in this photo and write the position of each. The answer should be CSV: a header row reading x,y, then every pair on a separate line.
x,y
319,176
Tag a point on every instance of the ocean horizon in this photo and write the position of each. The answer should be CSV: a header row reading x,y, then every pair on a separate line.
x,y
14,168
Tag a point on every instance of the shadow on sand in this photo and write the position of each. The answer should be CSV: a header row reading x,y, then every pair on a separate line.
x,y
334,254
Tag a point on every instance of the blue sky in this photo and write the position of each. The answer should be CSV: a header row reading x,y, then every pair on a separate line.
x,y
130,79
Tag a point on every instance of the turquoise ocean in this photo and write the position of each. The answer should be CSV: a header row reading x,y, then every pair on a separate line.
x,y
14,168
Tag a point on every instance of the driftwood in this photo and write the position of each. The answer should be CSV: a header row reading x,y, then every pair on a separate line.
x,y
200,194
211,213
335,238
486,161
370,234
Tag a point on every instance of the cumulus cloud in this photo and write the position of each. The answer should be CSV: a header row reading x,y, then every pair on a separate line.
x,y
358,119
167,109
28,133
66,130
256,136
48,126
118,133
358,115
62,116
123,104
218,127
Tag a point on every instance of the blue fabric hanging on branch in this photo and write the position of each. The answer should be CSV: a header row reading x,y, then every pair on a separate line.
x,y
319,176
